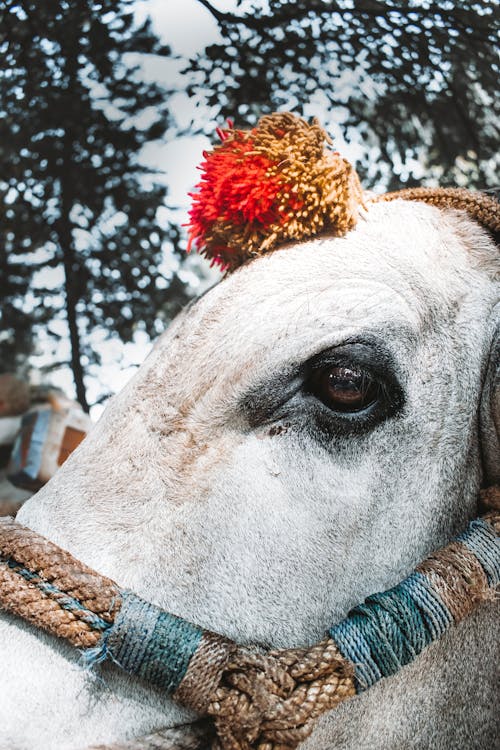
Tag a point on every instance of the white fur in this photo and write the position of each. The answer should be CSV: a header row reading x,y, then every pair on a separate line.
x,y
273,537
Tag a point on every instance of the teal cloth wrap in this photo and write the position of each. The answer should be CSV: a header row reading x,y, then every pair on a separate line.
x,y
151,643
481,540
390,629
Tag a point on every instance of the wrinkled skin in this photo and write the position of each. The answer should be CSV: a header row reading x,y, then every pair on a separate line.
x,y
219,486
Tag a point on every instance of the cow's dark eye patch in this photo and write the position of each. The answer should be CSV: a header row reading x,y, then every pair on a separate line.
x,y
345,390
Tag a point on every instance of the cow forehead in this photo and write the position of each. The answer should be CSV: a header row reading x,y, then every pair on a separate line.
x,y
410,246
404,264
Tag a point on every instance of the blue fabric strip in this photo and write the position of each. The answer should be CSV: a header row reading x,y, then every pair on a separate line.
x,y
390,629
34,458
150,643
481,540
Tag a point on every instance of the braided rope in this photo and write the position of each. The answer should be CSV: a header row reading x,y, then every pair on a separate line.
x,y
38,580
481,207
257,700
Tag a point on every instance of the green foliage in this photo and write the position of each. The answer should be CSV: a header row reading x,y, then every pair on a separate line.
x,y
74,116
416,81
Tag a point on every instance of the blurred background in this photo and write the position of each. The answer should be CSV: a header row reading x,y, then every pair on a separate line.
x,y
106,107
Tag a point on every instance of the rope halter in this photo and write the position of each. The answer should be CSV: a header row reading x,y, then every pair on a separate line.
x,y
257,700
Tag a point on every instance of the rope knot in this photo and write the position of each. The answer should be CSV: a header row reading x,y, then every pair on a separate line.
x,y
269,701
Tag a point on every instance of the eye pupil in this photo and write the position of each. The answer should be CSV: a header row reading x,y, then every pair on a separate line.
x,y
345,389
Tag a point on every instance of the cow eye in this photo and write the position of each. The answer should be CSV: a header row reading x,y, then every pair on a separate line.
x,y
345,389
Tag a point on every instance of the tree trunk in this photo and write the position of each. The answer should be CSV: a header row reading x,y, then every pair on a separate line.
x,y
70,269
65,228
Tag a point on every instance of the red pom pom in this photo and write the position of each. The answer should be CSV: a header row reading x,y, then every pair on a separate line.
x,y
236,188
266,186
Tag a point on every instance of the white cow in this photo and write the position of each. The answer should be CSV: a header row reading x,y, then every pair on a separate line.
x,y
232,484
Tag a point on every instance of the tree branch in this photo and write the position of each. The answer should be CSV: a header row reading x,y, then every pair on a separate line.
x,y
219,15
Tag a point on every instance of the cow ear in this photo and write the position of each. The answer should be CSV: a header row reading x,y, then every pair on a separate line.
x,y
489,418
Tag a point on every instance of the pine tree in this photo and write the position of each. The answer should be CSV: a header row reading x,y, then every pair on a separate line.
x,y
414,82
74,116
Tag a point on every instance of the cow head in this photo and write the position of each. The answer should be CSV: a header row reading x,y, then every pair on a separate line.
x,y
303,433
